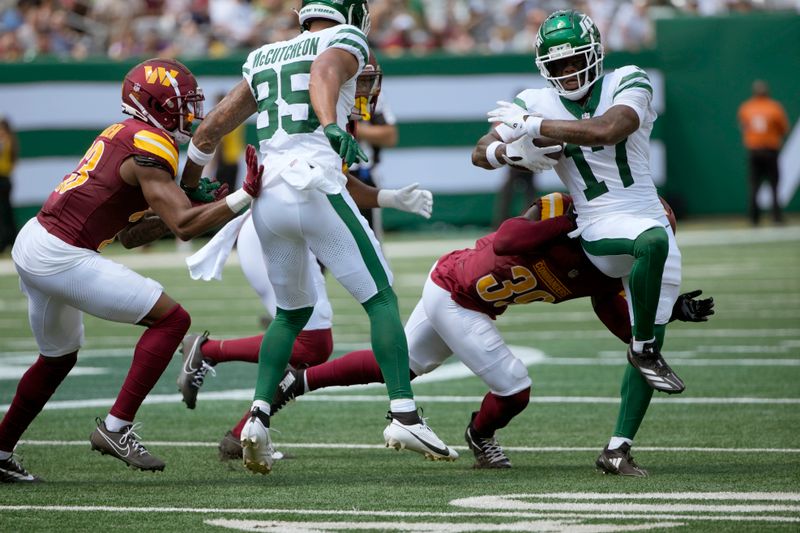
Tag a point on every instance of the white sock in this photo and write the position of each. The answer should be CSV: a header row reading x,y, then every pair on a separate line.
x,y
405,405
262,406
638,346
5,455
115,424
616,442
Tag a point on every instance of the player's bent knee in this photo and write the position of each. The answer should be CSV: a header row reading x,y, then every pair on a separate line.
x,y
653,242
177,321
508,377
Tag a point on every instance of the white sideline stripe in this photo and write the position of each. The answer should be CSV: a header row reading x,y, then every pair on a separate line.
x,y
519,449
247,394
655,515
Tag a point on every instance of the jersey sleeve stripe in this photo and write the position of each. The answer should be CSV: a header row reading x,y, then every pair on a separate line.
x,y
633,76
157,145
520,102
638,85
353,31
351,46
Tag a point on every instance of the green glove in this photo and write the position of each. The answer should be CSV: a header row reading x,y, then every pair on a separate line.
x,y
345,145
204,192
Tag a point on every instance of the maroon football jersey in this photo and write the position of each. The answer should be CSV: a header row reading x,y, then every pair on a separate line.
x,y
524,261
92,204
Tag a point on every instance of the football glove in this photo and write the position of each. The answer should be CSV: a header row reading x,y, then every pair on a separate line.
x,y
687,309
252,181
523,153
207,191
522,121
345,145
409,199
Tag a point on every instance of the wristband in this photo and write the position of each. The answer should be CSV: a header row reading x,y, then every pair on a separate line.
x,y
491,154
198,156
386,198
238,200
533,126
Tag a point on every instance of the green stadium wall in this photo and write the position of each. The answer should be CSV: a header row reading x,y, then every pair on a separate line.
x,y
702,69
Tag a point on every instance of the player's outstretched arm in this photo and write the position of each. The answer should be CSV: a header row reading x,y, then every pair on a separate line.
x,y
410,198
170,203
226,116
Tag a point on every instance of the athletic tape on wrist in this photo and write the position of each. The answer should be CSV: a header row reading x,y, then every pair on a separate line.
x,y
238,200
491,154
533,126
386,198
198,156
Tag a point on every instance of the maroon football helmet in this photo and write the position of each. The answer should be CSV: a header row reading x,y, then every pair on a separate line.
x,y
368,89
164,93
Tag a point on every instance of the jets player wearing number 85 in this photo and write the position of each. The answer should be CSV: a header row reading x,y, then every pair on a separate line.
x,y
605,123
303,90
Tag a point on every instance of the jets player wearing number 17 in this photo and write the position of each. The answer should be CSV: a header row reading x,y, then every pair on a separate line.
x,y
605,123
303,90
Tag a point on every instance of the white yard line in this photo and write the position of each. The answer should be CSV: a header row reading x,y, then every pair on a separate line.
x,y
247,394
354,446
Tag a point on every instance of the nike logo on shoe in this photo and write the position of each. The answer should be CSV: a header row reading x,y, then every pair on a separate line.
x,y
441,451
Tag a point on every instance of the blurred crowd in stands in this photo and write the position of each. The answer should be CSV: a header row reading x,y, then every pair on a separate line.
x,y
121,29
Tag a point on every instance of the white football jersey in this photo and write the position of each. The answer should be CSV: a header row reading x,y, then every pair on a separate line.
x,y
278,75
605,180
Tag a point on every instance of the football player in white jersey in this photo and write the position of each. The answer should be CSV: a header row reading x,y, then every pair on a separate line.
x,y
303,90
604,123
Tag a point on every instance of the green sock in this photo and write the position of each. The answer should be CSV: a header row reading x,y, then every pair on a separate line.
x,y
276,349
635,396
650,250
389,343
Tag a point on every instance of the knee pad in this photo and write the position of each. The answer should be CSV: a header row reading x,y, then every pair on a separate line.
x,y
507,377
653,242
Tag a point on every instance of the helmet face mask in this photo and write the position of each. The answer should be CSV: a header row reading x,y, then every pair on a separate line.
x,y
564,35
163,93
368,88
353,12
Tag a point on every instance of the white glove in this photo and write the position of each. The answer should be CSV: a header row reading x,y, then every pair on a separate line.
x,y
409,199
523,153
522,121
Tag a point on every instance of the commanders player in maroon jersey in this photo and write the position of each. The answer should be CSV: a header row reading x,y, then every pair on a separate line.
x,y
129,169
526,260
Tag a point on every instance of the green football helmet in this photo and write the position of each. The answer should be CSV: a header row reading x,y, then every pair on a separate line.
x,y
354,12
565,34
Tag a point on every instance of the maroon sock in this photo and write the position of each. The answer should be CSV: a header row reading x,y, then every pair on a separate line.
x,y
245,349
497,411
237,429
150,358
355,368
312,348
34,389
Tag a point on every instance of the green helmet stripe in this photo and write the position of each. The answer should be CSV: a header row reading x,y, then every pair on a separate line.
x,y
352,44
639,85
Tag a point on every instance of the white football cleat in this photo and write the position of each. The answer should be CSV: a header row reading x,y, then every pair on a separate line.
x,y
418,438
257,449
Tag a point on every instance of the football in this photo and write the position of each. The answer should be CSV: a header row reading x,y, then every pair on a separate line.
x,y
547,141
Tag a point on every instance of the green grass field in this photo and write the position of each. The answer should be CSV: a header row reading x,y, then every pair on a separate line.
x,y
723,456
